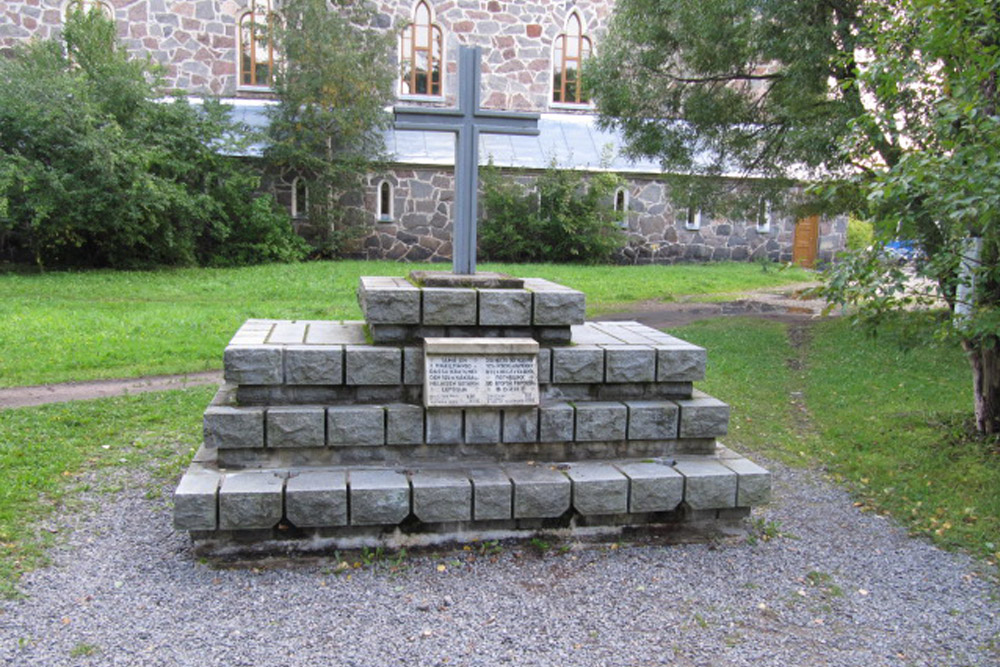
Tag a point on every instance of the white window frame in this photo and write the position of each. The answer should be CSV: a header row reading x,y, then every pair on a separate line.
x,y
269,10
564,36
692,218
434,25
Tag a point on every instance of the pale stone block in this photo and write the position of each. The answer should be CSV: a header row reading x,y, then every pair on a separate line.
x,y
520,425
578,364
703,417
233,428
555,304
253,364
600,420
708,484
250,500
555,422
482,426
378,497
680,362
287,332
629,363
449,306
296,426
653,487
388,302
753,486
441,495
504,307
316,498
444,426
652,420
539,491
598,488
368,364
314,364
348,425
195,501
492,493
404,424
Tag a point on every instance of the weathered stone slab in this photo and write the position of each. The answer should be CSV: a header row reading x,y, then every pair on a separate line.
x,y
629,363
492,493
441,495
504,307
253,364
555,422
378,497
555,304
479,279
598,488
652,420
287,332
413,365
444,426
539,491
680,362
480,372
249,500
233,428
389,301
653,487
296,426
708,484
703,417
316,499
544,365
447,306
314,364
581,363
368,364
482,426
351,425
195,500
600,420
336,333
404,424
753,486
520,425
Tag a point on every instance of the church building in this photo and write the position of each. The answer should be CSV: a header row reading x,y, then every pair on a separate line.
x,y
533,51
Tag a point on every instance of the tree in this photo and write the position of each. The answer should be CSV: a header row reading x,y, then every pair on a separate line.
x,y
97,172
334,86
891,102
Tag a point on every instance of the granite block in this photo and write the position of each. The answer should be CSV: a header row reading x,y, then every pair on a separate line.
x,y
598,488
316,498
703,417
250,500
413,366
504,307
195,501
555,422
629,363
441,495
653,487
378,497
448,306
314,364
708,484
233,428
368,364
680,362
520,425
444,426
539,491
652,420
482,426
351,425
544,365
404,424
554,304
578,364
389,301
253,364
296,426
600,420
492,493
753,486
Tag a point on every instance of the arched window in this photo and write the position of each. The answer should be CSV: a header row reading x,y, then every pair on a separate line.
x,y
692,218
86,6
621,206
764,215
300,198
383,204
570,50
258,56
421,53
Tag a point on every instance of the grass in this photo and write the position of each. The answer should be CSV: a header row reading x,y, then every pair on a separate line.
x,y
47,455
60,327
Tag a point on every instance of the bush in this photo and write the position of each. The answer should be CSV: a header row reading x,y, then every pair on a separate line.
x,y
563,218
860,233
97,172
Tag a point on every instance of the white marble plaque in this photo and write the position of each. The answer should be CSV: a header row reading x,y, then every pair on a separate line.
x,y
468,373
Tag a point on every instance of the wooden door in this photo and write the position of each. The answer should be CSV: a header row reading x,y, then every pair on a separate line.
x,y
806,242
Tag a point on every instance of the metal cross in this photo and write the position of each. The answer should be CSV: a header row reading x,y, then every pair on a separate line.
x,y
468,121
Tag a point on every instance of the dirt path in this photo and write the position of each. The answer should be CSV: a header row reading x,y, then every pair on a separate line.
x,y
783,304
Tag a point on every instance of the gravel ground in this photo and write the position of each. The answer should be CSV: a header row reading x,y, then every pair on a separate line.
x,y
840,588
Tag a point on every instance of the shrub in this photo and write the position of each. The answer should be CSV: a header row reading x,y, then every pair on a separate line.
x,y
860,233
97,172
564,217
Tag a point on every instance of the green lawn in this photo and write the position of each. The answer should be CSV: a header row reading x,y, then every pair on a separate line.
x,y
59,327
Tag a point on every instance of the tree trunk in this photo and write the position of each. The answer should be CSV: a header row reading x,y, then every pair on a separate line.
x,y
984,357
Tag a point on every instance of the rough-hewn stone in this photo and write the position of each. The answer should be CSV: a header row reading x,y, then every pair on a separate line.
x,y
352,425
598,488
378,497
539,491
316,498
296,426
441,495
249,500
233,428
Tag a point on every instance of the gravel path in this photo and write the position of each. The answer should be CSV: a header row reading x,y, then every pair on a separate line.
x,y
841,588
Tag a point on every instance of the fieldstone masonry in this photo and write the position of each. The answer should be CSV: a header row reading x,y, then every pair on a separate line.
x,y
322,434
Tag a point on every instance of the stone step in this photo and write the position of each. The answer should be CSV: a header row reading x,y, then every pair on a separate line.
x,y
299,353
209,499
232,427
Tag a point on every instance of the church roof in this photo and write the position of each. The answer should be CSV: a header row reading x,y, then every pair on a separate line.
x,y
570,141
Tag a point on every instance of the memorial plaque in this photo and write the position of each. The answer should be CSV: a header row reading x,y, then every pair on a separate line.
x,y
471,372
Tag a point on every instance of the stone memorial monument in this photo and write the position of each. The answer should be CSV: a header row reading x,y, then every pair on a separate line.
x,y
465,406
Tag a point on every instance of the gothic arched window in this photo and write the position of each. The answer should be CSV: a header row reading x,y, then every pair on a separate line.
x,y
258,56
421,54
300,198
383,206
570,50
86,6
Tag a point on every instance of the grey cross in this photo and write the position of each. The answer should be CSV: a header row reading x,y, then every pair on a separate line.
x,y
468,121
